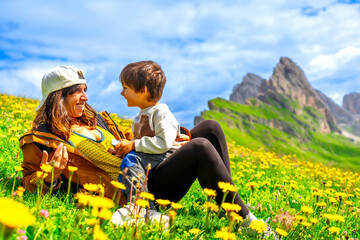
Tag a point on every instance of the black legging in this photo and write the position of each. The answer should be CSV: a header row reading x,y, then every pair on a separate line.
x,y
205,158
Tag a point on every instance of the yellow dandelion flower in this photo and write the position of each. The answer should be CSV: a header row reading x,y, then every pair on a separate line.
x,y
211,206
18,168
317,193
225,234
341,195
236,217
41,175
300,218
210,192
329,191
105,213
95,211
19,193
176,206
231,207
294,186
306,224
281,232
321,204
101,202
118,185
46,168
92,221
142,203
72,168
252,185
333,200
21,189
227,187
338,218
163,202
328,216
194,231
328,184
266,183
172,214
82,198
99,234
350,203
334,230
101,189
147,195
258,226
91,187
307,209
15,214
313,220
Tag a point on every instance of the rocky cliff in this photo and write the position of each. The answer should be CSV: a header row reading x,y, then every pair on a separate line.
x,y
289,88
248,88
341,115
351,102
289,81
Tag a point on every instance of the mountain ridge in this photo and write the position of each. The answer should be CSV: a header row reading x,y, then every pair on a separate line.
x,y
288,80
285,114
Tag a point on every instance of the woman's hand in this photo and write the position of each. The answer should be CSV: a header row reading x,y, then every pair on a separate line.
x,y
124,147
59,161
60,158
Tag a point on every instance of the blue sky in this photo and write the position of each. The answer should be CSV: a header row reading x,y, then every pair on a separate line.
x,y
204,47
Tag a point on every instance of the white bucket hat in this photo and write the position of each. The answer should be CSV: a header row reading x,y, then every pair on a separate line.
x,y
58,78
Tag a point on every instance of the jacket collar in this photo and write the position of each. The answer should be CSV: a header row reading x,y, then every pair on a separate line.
x,y
44,137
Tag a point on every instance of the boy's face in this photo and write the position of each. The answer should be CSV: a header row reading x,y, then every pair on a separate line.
x,y
134,99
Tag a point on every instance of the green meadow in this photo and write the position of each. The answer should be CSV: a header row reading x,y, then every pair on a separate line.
x,y
242,124
305,185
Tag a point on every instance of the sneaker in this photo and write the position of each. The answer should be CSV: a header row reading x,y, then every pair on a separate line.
x,y
155,216
127,215
269,231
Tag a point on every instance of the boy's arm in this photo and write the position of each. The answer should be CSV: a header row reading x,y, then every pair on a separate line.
x,y
165,135
124,147
166,129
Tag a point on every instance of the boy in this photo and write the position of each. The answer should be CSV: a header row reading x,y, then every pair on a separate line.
x,y
155,127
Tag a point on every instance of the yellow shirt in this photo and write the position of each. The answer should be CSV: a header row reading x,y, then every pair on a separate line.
x,y
97,151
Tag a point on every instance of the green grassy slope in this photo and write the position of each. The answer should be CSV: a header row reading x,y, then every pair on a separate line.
x,y
246,125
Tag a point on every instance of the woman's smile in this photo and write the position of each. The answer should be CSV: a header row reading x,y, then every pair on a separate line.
x,y
75,103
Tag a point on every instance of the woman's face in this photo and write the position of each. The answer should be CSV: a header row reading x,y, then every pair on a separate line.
x,y
75,103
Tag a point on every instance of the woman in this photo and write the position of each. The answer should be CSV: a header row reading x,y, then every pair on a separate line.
x,y
65,131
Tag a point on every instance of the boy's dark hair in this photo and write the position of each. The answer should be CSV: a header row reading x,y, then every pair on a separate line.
x,y
139,75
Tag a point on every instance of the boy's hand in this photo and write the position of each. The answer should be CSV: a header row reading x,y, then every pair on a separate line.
x,y
182,138
113,152
124,146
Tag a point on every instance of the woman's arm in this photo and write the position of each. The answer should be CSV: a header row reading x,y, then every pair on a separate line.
x,y
34,157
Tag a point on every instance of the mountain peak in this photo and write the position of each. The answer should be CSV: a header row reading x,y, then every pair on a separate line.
x,y
288,79
247,88
351,102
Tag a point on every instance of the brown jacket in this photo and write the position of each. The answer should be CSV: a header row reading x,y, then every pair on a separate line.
x,y
33,142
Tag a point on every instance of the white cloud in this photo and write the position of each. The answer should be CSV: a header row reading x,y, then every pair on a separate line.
x,y
204,47
337,97
327,65
113,87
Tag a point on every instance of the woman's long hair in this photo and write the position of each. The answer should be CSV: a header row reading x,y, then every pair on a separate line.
x,y
55,117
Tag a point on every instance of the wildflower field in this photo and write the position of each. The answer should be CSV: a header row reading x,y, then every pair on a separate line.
x,y
301,199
